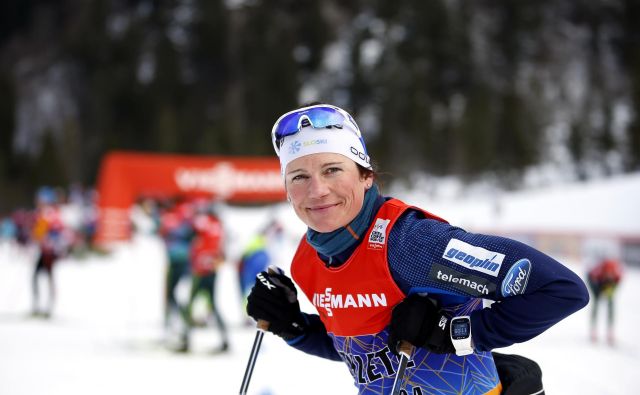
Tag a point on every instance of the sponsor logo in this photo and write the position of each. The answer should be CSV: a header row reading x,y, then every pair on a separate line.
x,y
465,283
373,366
294,147
515,282
378,235
329,301
360,154
265,282
313,142
225,180
443,323
472,257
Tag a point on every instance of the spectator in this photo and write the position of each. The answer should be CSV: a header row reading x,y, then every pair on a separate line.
x,y
207,255
53,242
603,281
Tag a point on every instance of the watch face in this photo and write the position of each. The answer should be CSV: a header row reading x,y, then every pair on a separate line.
x,y
460,329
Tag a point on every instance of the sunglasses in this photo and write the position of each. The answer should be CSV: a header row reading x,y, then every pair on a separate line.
x,y
318,116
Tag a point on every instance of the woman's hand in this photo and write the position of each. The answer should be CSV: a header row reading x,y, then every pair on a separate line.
x,y
420,322
274,299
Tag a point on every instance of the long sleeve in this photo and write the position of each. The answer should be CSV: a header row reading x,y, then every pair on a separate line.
x,y
532,290
315,341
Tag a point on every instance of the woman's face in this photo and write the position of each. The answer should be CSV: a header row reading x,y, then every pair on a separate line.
x,y
325,190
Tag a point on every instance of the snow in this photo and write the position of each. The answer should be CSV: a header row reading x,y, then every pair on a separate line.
x,y
106,331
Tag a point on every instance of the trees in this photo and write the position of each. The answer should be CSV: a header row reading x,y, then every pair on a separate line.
x,y
443,87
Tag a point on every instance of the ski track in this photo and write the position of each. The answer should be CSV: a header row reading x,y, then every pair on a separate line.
x,y
105,336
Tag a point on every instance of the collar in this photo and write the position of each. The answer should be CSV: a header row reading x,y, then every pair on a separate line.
x,y
340,240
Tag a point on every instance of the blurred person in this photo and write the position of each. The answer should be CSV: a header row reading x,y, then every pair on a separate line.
x,y
177,232
8,233
53,241
85,202
90,219
24,220
380,271
207,255
603,280
8,229
257,256
10,247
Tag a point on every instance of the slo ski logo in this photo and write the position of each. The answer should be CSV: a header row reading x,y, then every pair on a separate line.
x,y
329,301
378,235
515,282
472,257
294,147
314,142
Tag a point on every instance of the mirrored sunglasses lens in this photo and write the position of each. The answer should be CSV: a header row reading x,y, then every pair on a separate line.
x,y
287,125
323,117
319,117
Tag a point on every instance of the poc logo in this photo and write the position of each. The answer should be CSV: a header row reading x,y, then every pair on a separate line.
x,y
515,282
472,257
360,155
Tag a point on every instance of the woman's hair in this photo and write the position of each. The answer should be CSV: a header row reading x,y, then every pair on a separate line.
x,y
364,172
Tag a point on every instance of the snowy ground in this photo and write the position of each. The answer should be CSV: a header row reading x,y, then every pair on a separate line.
x,y
106,332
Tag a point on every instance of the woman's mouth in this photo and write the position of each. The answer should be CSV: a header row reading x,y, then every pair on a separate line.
x,y
321,208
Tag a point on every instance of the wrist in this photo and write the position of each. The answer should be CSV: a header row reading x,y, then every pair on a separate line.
x,y
460,333
294,329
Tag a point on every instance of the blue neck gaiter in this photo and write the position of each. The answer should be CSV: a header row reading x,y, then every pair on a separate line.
x,y
333,243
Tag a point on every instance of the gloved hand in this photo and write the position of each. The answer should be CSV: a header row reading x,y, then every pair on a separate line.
x,y
420,322
274,299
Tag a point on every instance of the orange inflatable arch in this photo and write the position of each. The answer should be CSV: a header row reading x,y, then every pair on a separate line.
x,y
126,176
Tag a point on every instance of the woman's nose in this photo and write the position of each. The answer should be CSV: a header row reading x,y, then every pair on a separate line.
x,y
318,187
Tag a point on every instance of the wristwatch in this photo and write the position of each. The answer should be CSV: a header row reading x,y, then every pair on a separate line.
x,y
461,335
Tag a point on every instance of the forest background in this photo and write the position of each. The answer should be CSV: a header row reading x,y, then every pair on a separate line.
x,y
513,92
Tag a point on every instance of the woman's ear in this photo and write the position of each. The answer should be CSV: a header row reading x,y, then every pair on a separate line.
x,y
369,183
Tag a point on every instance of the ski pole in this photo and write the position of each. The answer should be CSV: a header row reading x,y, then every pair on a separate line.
x,y
257,342
404,349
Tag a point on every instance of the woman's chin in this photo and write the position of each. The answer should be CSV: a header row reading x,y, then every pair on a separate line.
x,y
322,227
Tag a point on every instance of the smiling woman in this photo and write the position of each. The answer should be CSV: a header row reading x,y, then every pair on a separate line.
x,y
381,272
326,190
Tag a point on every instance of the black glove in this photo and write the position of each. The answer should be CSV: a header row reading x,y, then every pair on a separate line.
x,y
274,299
420,322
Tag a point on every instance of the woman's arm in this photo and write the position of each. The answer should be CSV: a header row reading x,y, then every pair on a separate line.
x,y
533,291
315,340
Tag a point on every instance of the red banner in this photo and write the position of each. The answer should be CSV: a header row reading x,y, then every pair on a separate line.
x,y
126,176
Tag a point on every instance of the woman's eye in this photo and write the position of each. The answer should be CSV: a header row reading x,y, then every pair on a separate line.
x,y
332,170
299,177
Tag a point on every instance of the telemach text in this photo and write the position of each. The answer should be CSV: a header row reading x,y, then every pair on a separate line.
x,y
481,288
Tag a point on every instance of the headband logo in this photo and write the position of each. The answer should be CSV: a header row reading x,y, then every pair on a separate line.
x,y
360,155
294,147
314,142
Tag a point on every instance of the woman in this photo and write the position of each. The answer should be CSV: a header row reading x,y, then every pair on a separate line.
x,y
380,271
603,280
207,256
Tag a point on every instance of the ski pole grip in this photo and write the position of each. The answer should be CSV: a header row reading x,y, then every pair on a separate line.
x,y
273,269
263,325
405,348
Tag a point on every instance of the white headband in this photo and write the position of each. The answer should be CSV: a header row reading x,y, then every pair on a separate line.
x,y
309,140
